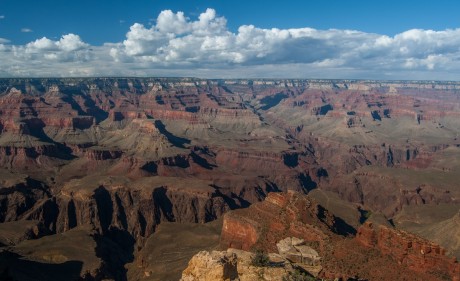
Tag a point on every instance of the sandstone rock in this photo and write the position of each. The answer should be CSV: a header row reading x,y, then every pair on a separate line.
x,y
234,264
281,215
321,251
408,249
293,249
206,266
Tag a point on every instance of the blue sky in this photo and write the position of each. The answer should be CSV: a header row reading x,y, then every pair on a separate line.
x,y
299,39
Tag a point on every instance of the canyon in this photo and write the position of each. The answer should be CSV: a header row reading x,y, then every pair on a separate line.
x,y
124,165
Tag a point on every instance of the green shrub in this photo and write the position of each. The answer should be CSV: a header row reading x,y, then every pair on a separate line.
x,y
260,259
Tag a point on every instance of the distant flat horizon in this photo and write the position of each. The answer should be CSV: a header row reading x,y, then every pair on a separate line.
x,y
427,81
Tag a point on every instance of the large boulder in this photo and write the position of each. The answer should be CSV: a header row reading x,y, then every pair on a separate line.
x,y
210,266
236,264
295,250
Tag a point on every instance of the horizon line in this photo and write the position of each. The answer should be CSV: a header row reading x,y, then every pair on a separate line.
x,y
239,79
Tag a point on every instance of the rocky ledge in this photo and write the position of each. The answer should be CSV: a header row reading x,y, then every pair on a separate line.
x,y
302,231
239,265
416,253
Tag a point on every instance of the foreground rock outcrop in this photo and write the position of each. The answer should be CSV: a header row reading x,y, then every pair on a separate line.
x,y
236,264
295,250
327,241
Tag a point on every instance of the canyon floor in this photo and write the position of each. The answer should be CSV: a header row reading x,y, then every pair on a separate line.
x,y
129,178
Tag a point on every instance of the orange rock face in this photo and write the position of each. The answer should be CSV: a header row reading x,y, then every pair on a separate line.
x,y
416,253
280,215
239,234
366,256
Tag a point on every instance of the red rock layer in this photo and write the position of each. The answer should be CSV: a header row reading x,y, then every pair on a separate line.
x,y
416,253
280,215
367,256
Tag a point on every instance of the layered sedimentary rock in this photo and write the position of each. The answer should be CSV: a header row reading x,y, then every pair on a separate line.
x,y
126,154
280,215
416,253
329,242
136,207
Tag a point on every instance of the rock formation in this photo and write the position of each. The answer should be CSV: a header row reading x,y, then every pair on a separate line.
x,y
236,264
280,215
320,238
124,155
295,250
415,253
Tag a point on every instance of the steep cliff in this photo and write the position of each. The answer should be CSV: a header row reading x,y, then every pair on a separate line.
x,y
341,255
124,155
416,253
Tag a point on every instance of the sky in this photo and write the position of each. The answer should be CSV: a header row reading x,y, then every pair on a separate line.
x,y
336,39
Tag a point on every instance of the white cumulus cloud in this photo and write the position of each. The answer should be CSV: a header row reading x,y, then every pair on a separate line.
x,y
41,44
177,41
169,22
69,48
178,45
71,42
67,43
